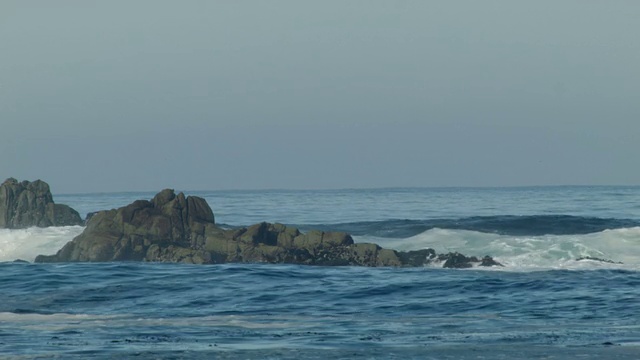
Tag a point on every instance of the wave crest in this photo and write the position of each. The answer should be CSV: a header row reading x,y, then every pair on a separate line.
x,y
529,225
530,252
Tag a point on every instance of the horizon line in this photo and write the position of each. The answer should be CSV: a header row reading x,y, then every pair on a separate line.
x,y
348,188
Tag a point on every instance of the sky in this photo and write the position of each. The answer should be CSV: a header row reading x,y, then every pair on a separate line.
x,y
102,96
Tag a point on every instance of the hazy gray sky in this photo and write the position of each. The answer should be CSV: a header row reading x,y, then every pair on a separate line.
x,y
143,95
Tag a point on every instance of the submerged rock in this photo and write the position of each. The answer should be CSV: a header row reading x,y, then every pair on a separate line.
x,y
172,228
26,204
417,257
456,260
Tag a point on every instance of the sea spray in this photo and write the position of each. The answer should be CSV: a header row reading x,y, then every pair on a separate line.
x,y
26,244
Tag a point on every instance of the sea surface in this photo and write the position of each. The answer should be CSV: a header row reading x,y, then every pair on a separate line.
x,y
543,304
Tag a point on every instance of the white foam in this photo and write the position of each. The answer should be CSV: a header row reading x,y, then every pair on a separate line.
x,y
524,253
26,244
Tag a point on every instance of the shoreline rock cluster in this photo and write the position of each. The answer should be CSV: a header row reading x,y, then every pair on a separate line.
x,y
26,204
175,228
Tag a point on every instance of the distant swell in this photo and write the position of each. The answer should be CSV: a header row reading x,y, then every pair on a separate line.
x,y
535,225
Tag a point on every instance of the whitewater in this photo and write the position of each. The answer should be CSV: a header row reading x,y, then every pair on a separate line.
x,y
615,249
568,288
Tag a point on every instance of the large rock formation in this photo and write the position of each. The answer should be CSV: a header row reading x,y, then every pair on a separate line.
x,y
166,222
172,228
25,204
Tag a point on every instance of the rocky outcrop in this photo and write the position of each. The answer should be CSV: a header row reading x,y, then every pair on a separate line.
x,y
172,228
277,243
456,260
25,204
127,234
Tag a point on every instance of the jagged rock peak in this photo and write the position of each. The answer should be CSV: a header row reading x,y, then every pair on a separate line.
x,y
164,197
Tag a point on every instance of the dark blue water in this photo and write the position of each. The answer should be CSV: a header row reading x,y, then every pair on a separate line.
x,y
523,225
258,311
545,304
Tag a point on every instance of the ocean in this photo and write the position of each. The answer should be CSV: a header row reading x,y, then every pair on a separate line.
x,y
543,304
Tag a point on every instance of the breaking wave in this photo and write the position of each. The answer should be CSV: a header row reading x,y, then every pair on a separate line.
x,y
532,225
528,248
26,244
618,248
